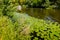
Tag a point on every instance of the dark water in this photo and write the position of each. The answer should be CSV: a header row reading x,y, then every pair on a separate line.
x,y
47,14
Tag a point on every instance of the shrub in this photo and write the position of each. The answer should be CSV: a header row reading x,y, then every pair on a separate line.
x,y
16,26
6,29
28,28
37,29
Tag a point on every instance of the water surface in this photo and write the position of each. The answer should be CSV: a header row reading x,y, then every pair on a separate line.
x,y
47,14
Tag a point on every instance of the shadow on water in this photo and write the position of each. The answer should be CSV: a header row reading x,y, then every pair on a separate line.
x,y
46,14
55,14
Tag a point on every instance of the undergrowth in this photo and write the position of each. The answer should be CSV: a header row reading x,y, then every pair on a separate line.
x,y
28,28
17,26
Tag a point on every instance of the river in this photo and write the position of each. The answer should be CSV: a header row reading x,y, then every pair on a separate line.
x,y
46,14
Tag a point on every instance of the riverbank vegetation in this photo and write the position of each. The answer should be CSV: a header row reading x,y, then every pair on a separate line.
x,y
15,25
35,3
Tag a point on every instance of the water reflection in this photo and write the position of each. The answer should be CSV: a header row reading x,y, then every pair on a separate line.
x,y
47,14
35,12
55,13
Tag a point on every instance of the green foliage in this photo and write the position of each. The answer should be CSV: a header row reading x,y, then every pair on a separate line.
x,y
40,29
6,28
17,26
28,28
39,3
33,3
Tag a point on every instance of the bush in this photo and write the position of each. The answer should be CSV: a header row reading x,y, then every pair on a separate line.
x,y
16,26
28,28
37,29
6,29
